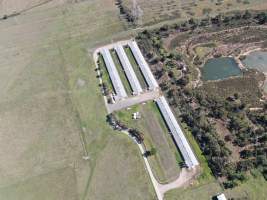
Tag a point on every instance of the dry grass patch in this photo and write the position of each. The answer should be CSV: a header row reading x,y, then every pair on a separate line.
x,y
165,163
47,118
153,11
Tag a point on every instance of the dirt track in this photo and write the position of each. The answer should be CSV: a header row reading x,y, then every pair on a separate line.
x,y
8,7
184,177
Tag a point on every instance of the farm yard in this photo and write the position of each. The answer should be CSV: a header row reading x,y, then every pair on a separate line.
x,y
156,131
154,11
55,142
164,163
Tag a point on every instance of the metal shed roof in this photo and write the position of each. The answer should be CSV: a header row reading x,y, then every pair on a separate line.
x,y
113,73
177,133
128,69
151,81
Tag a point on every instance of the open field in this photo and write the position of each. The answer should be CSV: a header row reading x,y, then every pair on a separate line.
x,y
126,173
52,112
153,11
8,7
246,85
165,163
253,189
204,192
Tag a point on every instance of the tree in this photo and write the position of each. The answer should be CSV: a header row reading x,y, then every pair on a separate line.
x,y
247,15
105,89
111,119
262,18
150,152
153,151
137,135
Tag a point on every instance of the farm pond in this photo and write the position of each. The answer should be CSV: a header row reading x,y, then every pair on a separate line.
x,y
220,68
257,60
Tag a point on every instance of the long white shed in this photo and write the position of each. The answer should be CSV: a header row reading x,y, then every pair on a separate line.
x,y
151,81
113,73
134,82
177,133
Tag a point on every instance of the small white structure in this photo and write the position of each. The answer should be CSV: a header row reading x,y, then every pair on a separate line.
x,y
113,73
135,85
151,81
136,115
221,197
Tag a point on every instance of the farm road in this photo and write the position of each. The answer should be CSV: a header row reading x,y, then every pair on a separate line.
x,y
125,103
184,178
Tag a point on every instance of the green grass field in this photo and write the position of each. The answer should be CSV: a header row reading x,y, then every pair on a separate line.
x,y
253,189
52,111
165,163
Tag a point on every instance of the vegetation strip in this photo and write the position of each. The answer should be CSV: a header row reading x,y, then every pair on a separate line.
x,y
225,103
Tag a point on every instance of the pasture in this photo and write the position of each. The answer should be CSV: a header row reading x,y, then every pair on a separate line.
x,y
254,188
52,111
165,163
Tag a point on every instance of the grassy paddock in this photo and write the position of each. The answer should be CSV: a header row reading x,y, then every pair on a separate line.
x,y
253,189
203,192
165,163
158,11
53,113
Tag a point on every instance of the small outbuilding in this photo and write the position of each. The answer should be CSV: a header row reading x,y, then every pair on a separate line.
x,y
221,197
136,115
